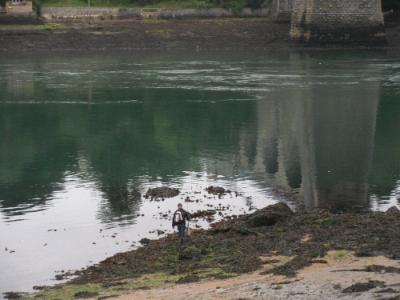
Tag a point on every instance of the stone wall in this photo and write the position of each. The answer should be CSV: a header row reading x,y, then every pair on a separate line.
x,y
282,10
22,8
69,13
344,21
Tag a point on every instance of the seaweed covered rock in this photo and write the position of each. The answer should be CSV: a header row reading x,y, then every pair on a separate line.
x,y
161,192
85,294
363,286
216,190
393,210
203,213
145,241
12,295
188,279
269,215
191,252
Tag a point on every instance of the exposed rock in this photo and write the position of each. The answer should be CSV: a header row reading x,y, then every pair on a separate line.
x,y
85,294
39,287
364,286
144,241
188,278
388,290
161,192
319,261
269,215
393,210
107,297
364,253
382,269
12,295
217,190
203,213
187,199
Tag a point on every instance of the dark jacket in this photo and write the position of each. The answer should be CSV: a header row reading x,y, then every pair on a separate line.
x,y
185,215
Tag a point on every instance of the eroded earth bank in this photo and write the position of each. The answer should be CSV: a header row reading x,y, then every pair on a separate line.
x,y
195,35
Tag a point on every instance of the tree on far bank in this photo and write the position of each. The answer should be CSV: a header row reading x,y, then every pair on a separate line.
x,y
37,7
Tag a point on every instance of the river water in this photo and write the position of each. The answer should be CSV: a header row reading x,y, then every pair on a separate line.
x,y
83,138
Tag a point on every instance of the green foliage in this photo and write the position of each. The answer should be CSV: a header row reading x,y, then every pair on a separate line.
x,y
71,291
254,4
37,7
238,5
235,5
2,3
391,4
340,254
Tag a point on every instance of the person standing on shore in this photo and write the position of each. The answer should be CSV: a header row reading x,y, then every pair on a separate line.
x,y
179,219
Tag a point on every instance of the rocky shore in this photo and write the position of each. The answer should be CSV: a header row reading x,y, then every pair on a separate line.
x,y
273,243
144,35
273,252
193,35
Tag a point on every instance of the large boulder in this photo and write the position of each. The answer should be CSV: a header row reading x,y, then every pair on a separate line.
x,y
269,215
161,192
145,241
393,210
217,190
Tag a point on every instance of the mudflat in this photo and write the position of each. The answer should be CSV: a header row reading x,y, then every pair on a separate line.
x,y
148,34
232,34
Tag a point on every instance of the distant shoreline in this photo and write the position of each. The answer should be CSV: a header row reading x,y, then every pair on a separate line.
x,y
136,35
144,35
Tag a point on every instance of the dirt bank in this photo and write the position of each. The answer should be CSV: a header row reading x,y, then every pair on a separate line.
x,y
232,34
148,34
272,242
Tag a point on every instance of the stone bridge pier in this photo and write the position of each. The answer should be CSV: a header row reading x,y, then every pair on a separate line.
x,y
334,21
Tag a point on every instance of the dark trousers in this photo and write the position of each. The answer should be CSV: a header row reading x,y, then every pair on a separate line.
x,y
181,232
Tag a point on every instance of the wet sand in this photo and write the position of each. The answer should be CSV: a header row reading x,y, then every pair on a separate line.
x,y
325,280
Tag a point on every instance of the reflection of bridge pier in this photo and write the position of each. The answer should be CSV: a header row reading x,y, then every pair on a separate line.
x,y
343,124
334,21
267,137
325,137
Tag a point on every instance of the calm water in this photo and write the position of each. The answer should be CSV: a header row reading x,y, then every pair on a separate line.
x,y
80,138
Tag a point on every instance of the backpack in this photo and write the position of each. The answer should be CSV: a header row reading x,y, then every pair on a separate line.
x,y
178,218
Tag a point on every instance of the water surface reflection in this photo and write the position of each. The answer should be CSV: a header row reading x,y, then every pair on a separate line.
x,y
82,139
